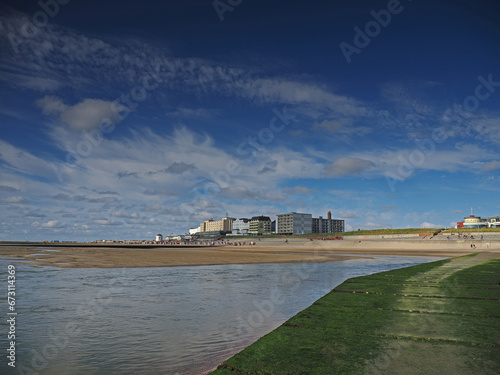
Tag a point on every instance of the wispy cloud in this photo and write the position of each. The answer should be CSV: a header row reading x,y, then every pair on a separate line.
x,y
179,168
14,199
195,113
299,190
22,161
8,189
94,62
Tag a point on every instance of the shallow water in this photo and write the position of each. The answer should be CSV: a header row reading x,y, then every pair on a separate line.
x,y
164,320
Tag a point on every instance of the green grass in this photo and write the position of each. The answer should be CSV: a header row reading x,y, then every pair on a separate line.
x,y
393,231
351,233
428,309
471,230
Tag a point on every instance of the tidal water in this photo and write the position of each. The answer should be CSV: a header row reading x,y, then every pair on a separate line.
x,y
163,320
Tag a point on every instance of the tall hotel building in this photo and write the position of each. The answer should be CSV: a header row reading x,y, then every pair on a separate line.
x,y
224,225
328,225
297,223
293,223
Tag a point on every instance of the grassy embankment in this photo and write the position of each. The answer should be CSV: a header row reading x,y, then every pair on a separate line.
x,y
354,233
392,231
471,230
440,317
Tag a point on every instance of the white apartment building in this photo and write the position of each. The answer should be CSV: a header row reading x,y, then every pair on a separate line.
x,y
260,225
240,227
480,222
194,230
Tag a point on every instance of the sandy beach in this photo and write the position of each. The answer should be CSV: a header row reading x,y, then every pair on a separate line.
x,y
274,250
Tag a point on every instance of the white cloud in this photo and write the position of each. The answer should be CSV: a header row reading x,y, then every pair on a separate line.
x,y
349,214
296,92
106,221
52,224
332,126
51,105
32,83
490,166
8,189
348,166
86,115
123,214
13,199
403,163
22,161
179,168
55,51
156,162
426,224
299,190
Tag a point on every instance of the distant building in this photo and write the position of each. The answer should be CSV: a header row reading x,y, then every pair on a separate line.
x,y
225,225
299,223
260,225
478,222
293,223
194,230
320,225
159,238
493,222
240,227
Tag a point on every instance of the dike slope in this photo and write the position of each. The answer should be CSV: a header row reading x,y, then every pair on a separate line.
x,y
436,318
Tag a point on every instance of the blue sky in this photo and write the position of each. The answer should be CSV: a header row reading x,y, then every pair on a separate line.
x,y
126,119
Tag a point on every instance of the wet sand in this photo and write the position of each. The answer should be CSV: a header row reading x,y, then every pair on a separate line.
x,y
96,257
274,250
